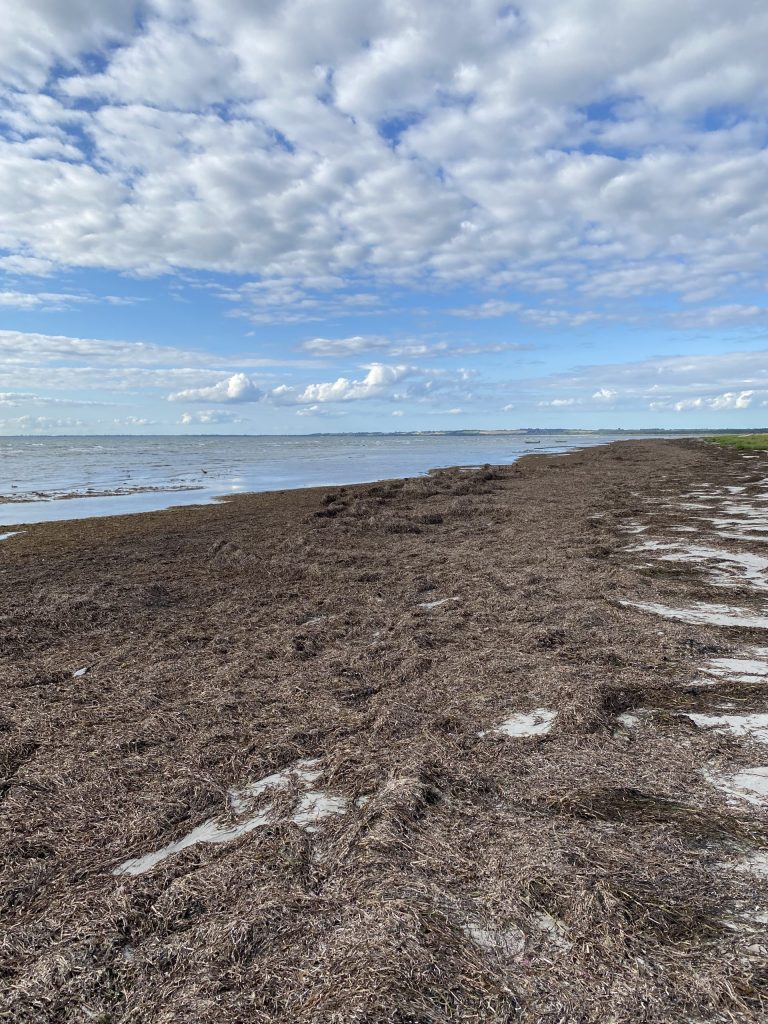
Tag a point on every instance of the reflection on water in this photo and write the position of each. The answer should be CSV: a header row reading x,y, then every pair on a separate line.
x,y
116,471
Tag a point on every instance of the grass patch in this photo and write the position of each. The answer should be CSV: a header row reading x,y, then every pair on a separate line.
x,y
747,442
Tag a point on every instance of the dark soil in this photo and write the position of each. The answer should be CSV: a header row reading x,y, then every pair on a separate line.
x,y
579,876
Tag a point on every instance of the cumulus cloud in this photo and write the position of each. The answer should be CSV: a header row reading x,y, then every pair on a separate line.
x,y
728,400
237,388
377,383
329,142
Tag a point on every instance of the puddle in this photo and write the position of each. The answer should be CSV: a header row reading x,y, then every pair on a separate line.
x,y
312,807
11,533
532,723
436,604
755,726
704,614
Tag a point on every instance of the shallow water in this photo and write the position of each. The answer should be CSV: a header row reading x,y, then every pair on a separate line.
x,y
110,475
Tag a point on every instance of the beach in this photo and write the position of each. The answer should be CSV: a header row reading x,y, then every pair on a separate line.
x,y
483,745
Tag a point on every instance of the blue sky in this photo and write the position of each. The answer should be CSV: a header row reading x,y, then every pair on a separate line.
x,y
303,215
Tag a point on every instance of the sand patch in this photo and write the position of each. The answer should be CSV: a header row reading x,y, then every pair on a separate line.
x,y
703,614
531,723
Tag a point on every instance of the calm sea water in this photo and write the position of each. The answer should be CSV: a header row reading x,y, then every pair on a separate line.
x,y
110,475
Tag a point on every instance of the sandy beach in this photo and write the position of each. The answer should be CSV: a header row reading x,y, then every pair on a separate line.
x,y
487,745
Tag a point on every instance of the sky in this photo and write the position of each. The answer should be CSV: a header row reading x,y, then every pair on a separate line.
x,y
289,216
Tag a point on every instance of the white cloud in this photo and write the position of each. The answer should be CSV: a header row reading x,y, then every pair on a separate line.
x,y
39,300
322,143
344,346
208,416
237,388
604,395
487,310
377,383
728,400
135,421
39,424
557,403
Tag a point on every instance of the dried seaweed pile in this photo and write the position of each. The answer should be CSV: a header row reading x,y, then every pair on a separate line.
x,y
585,874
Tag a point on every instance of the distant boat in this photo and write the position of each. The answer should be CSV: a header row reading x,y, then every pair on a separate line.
x,y
532,442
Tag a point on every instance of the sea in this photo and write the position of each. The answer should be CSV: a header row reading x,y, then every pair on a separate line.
x,y
45,479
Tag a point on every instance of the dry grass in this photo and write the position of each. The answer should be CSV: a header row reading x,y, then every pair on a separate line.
x,y
570,877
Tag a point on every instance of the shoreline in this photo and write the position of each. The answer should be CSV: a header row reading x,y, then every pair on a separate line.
x,y
477,726
235,466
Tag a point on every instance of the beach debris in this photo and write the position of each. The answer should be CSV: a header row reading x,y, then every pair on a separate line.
x,y
304,771
555,930
436,604
312,807
510,941
79,672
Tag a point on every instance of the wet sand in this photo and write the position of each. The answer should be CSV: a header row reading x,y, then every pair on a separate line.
x,y
488,745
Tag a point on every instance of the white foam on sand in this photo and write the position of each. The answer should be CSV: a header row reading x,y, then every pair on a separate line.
x,y
755,726
11,533
312,807
531,723
704,614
